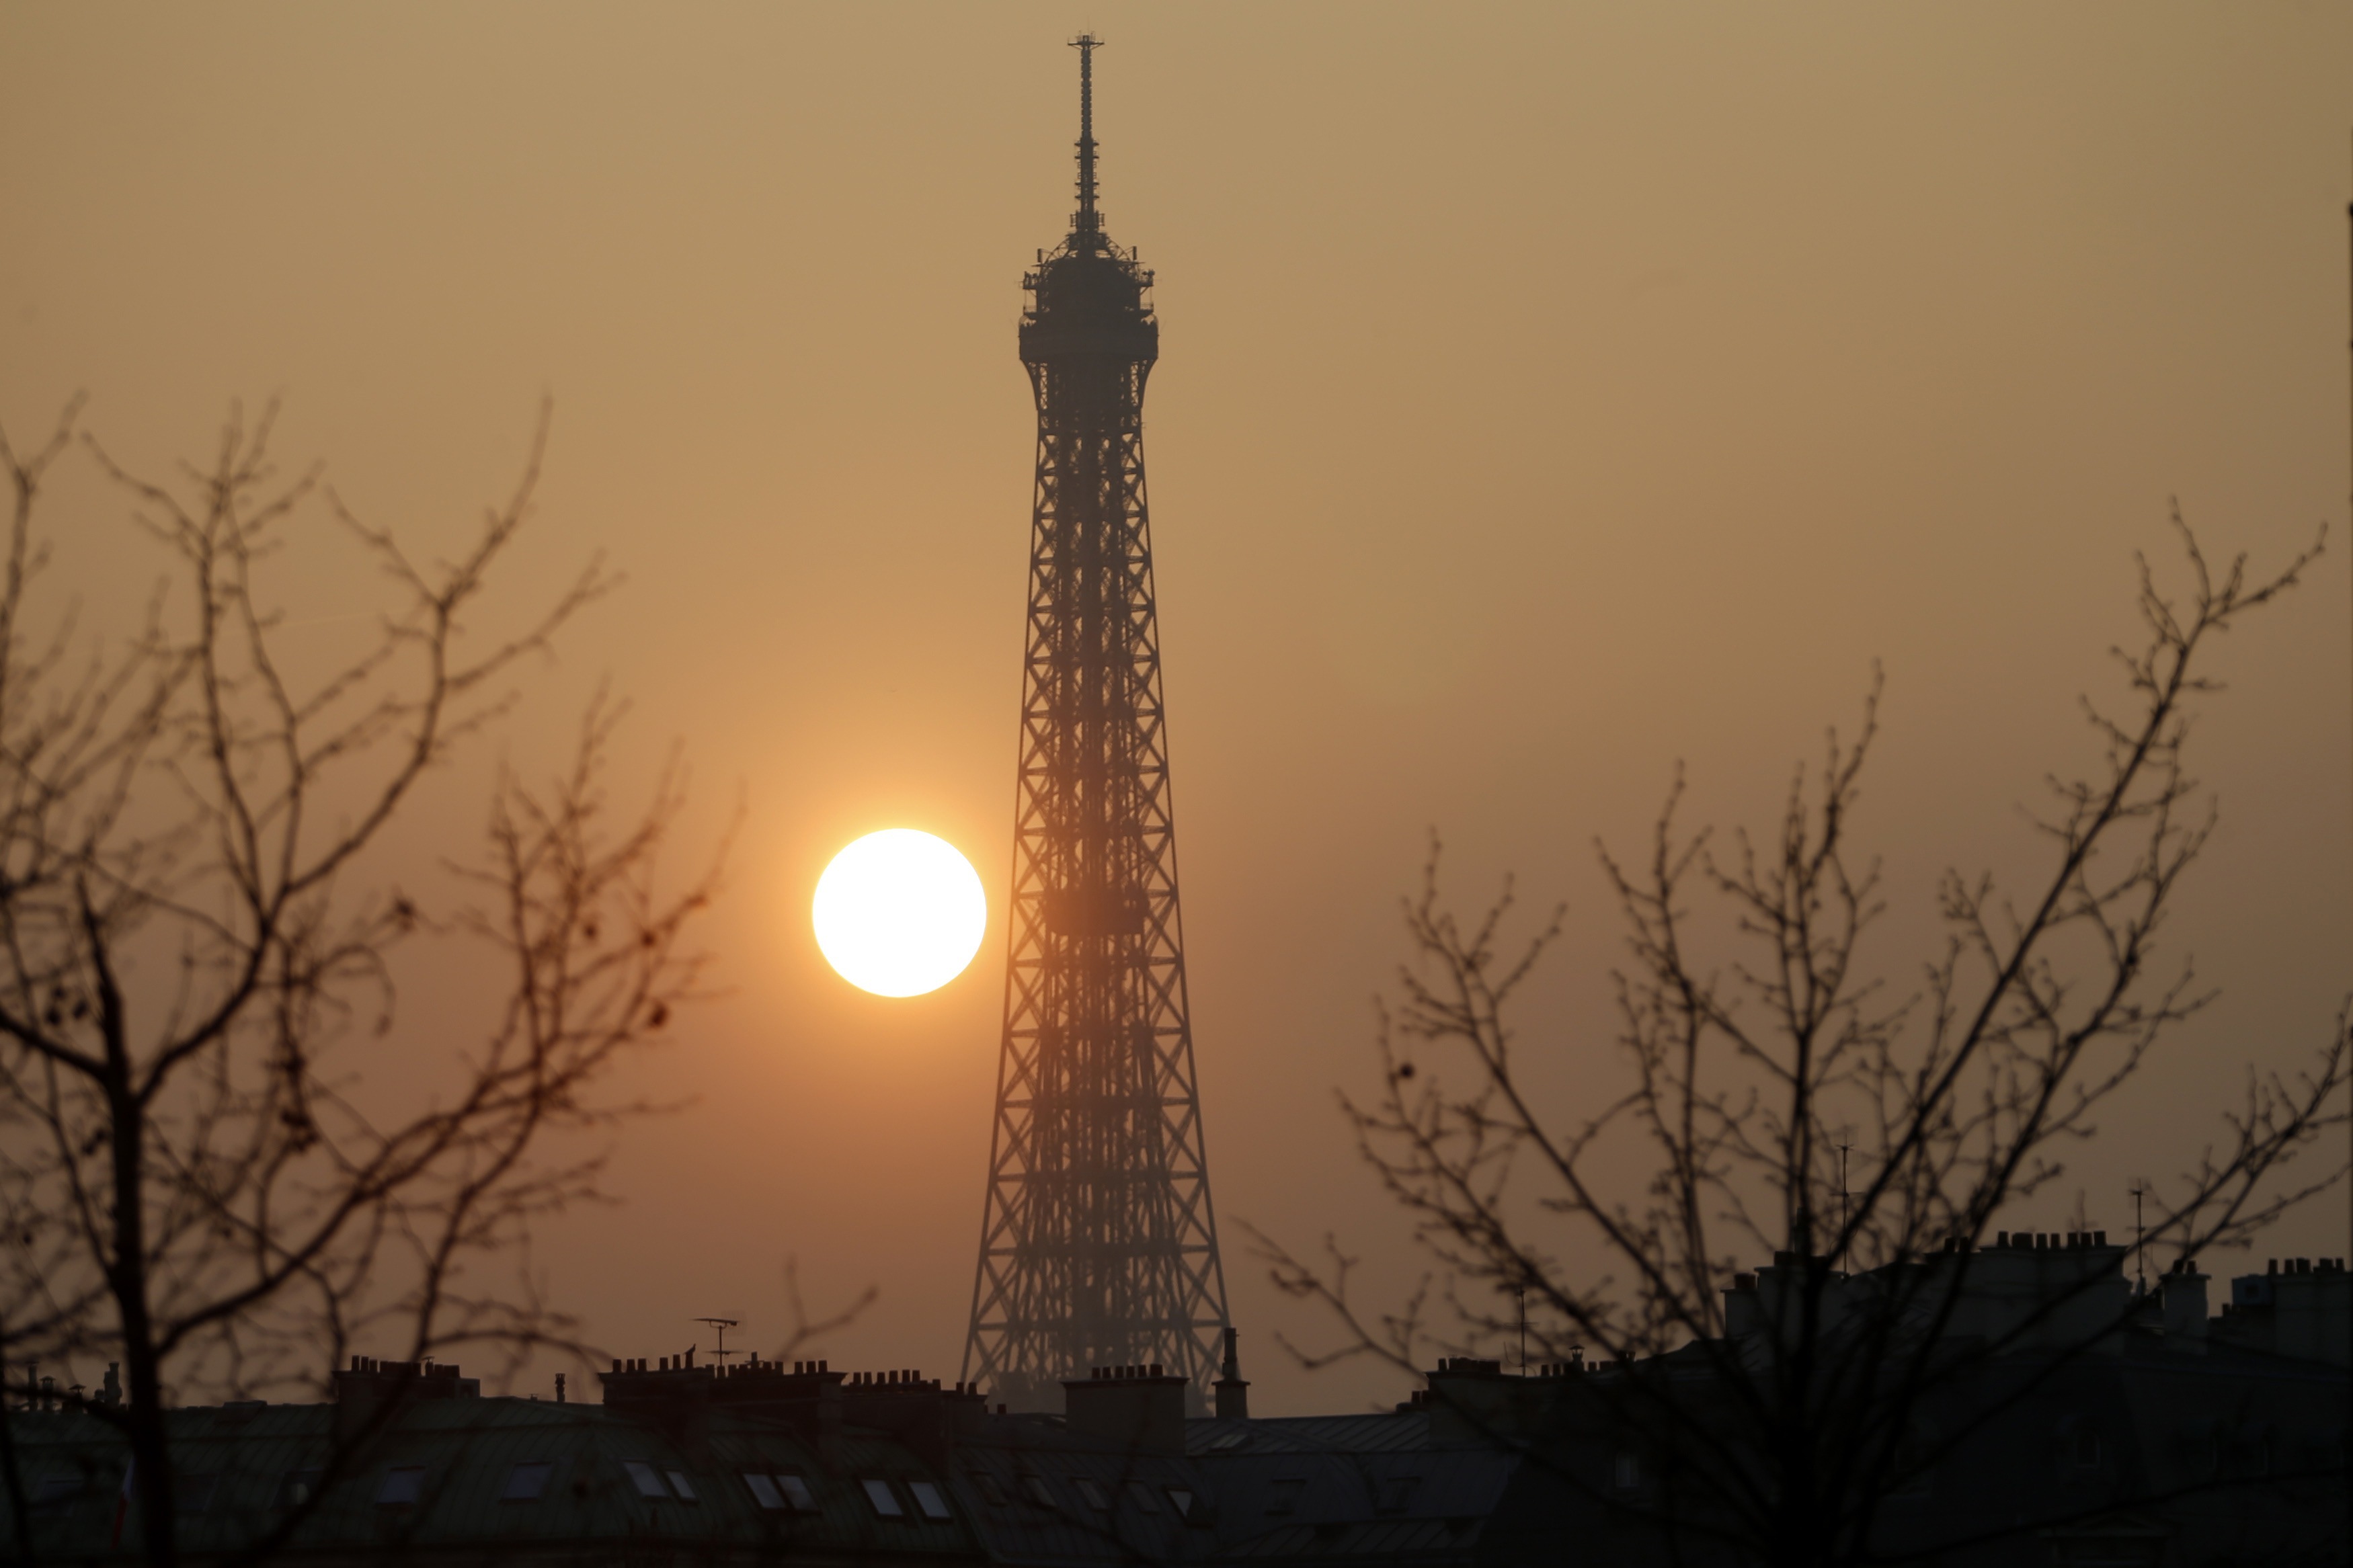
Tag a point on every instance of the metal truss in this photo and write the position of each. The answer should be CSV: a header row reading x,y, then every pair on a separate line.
x,y
1098,1243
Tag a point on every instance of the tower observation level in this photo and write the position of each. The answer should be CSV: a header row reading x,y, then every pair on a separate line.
x,y
1098,1247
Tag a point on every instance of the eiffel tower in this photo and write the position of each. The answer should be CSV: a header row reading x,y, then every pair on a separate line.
x,y
1098,1245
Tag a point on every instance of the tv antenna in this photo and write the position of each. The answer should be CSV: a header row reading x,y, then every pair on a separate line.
x,y
722,1325
1844,1220
2140,1190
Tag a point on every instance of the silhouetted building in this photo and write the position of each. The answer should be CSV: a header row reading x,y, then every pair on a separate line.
x,y
2170,1440
2065,1418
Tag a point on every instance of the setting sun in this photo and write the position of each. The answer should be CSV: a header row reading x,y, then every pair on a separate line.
x,y
900,913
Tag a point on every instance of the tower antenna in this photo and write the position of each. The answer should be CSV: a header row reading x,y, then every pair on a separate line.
x,y
1087,222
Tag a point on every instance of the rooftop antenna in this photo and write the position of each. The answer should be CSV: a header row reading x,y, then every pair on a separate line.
x,y
723,1325
1843,1150
1086,223
2140,1255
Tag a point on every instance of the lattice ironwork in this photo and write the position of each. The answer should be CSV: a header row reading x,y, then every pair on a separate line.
x,y
1098,1244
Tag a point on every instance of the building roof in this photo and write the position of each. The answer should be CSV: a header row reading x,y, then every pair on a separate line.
x,y
452,1474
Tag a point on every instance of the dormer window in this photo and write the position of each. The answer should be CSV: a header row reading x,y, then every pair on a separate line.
x,y
526,1481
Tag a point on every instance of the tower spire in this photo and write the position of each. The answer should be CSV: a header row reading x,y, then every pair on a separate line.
x,y
1087,222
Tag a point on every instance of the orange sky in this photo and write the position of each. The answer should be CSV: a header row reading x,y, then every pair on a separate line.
x,y
1547,394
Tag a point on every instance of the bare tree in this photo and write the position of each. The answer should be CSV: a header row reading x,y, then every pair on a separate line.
x,y
218,1163
1790,1103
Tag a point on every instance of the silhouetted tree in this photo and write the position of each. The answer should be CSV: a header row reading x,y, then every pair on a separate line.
x,y
218,1164
1766,1054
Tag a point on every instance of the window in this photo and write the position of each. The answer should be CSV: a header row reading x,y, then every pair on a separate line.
x,y
1626,1472
1229,1442
527,1481
764,1490
1395,1494
1093,1493
402,1485
989,1491
681,1486
55,1494
299,1488
648,1480
929,1501
2093,1549
1283,1496
1038,1491
1141,1496
1181,1499
886,1501
796,1492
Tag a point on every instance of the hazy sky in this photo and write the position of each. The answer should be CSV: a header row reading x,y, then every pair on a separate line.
x,y
1549,393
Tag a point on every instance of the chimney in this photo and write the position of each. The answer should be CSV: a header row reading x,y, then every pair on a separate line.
x,y
2183,1292
1741,1316
1233,1394
369,1385
1139,1408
